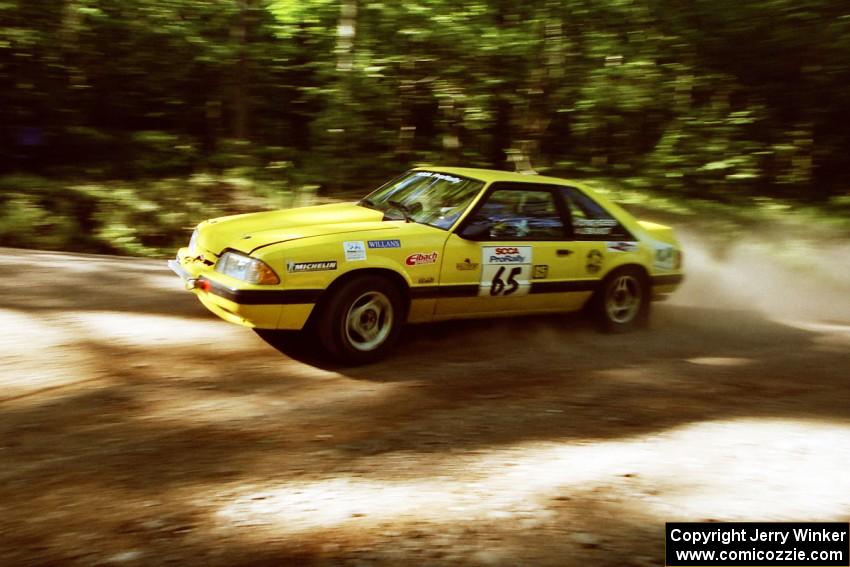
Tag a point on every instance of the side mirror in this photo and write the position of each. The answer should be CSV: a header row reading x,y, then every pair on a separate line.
x,y
476,231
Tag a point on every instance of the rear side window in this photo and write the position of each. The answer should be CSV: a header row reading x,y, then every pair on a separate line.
x,y
590,220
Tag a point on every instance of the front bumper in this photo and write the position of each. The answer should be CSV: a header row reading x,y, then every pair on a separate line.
x,y
250,307
188,281
665,284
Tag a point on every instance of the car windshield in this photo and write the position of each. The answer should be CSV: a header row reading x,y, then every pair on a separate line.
x,y
426,197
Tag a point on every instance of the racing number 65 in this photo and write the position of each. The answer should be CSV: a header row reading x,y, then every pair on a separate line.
x,y
497,287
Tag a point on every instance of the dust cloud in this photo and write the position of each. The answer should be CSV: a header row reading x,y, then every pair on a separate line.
x,y
783,279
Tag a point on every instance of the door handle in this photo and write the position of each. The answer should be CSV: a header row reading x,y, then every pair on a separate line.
x,y
564,252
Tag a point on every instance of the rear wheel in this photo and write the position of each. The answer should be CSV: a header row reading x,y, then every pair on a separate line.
x,y
622,302
361,322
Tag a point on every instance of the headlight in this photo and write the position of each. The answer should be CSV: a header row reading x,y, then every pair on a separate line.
x,y
193,242
246,269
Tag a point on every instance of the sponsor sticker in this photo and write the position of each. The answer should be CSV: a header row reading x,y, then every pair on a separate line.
x,y
467,265
506,272
384,243
354,250
540,272
419,259
594,226
443,176
311,266
594,261
426,280
621,246
610,223
507,255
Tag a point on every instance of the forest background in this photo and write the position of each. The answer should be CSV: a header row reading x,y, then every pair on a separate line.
x,y
124,123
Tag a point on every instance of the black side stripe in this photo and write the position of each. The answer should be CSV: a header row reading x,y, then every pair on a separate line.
x,y
562,287
433,291
295,296
265,296
472,290
668,279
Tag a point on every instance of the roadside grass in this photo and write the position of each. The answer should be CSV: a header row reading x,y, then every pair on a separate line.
x,y
804,239
135,218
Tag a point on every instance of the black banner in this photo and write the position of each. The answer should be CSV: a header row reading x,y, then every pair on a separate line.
x,y
743,544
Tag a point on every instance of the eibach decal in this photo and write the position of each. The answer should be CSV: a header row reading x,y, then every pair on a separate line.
x,y
419,259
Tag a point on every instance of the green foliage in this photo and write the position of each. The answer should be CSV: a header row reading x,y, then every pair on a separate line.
x,y
263,96
147,218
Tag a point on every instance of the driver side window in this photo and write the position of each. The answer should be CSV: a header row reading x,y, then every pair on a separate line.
x,y
521,214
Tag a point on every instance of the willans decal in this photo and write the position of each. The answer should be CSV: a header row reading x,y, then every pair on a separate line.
x,y
384,243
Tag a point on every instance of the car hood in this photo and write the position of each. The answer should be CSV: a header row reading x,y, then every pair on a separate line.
x,y
251,231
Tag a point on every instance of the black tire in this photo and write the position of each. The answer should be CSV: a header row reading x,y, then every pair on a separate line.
x,y
621,304
352,339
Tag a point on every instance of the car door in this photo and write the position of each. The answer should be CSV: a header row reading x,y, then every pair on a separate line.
x,y
522,260
599,239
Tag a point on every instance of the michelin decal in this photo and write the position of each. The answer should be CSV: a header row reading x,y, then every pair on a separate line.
x,y
295,268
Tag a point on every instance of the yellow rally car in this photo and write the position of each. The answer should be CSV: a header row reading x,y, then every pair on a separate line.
x,y
432,244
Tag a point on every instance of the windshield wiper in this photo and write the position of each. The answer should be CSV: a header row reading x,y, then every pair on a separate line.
x,y
368,203
403,209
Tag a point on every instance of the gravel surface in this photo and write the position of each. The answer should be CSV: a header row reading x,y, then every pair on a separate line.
x,y
138,429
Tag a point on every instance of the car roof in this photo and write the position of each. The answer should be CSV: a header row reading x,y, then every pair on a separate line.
x,y
490,175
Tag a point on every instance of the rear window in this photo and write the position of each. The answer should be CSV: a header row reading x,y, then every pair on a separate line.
x,y
590,220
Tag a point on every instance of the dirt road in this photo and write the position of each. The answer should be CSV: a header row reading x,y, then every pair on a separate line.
x,y
137,429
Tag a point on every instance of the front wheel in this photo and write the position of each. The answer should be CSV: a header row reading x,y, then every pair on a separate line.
x,y
361,322
622,302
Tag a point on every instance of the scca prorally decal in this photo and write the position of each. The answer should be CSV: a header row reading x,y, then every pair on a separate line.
x,y
506,272
621,246
354,250
311,266
594,261
507,254
384,243
418,259
540,272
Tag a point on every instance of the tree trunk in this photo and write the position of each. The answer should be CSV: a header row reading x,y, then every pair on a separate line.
x,y
346,33
241,94
451,119
69,38
407,127
533,120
